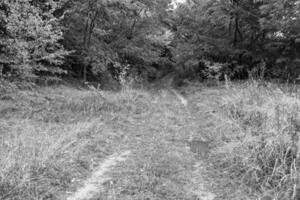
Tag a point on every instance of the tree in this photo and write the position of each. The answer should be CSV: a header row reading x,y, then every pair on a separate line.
x,y
240,32
30,39
114,33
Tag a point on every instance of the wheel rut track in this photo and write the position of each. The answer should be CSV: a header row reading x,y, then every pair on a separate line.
x,y
94,185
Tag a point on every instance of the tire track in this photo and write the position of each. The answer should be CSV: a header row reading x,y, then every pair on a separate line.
x,y
180,97
93,185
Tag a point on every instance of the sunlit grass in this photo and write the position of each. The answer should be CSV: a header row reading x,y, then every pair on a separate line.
x,y
54,137
260,125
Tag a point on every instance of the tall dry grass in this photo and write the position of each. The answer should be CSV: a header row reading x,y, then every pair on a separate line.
x,y
50,138
260,124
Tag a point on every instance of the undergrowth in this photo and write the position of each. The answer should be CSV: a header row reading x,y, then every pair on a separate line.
x,y
262,131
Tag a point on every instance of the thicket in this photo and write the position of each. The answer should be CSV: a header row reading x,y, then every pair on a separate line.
x,y
99,39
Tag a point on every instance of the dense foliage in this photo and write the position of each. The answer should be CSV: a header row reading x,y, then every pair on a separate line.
x,y
243,34
109,35
30,39
99,38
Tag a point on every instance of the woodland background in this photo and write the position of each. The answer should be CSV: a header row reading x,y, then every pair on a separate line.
x,y
96,40
70,72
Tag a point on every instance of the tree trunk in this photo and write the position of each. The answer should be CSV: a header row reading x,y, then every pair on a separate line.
x,y
235,38
230,28
236,31
1,70
84,73
89,28
86,38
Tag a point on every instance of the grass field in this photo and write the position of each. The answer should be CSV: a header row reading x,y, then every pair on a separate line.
x,y
53,138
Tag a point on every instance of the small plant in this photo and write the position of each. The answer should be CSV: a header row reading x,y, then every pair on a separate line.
x,y
126,77
258,72
122,76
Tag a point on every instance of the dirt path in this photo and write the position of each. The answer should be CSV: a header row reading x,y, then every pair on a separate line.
x,y
199,185
161,165
180,97
93,185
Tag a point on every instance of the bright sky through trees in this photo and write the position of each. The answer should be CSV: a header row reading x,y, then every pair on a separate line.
x,y
176,2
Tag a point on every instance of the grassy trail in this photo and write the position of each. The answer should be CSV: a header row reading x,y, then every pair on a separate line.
x,y
161,165
93,185
55,138
66,143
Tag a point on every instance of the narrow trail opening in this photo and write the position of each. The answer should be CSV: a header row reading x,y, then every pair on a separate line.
x,y
197,186
180,97
92,186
